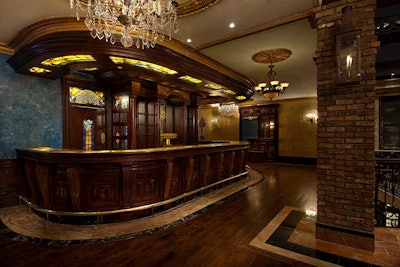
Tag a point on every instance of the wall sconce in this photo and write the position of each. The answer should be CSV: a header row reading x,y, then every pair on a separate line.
x,y
214,121
271,125
312,117
348,52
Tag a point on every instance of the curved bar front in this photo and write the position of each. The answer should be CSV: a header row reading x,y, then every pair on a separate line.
x,y
76,182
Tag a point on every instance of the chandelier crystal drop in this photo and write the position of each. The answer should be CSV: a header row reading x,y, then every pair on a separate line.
x,y
147,19
228,109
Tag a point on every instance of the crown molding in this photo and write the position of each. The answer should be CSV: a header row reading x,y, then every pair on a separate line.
x,y
5,49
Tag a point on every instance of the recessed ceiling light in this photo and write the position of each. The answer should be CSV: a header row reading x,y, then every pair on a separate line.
x,y
189,40
232,25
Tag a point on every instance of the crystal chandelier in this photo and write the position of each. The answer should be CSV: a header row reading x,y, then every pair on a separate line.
x,y
228,109
272,87
146,18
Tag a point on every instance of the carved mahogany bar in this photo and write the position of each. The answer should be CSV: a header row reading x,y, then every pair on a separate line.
x,y
77,182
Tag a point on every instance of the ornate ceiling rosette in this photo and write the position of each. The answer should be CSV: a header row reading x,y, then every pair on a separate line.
x,y
272,55
190,7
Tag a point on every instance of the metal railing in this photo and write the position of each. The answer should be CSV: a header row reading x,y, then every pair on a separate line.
x,y
387,188
99,214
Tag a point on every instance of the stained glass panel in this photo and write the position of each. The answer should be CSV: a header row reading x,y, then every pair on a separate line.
x,y
143,64
190,79
65,60
86,97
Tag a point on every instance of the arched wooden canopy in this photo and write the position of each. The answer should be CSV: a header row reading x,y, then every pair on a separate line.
x,y
65,36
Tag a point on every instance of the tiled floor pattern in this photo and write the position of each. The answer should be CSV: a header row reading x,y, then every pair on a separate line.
x,y
30,227
292,234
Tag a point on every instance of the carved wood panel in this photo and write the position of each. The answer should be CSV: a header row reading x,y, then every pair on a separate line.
x,y
147,180
101,193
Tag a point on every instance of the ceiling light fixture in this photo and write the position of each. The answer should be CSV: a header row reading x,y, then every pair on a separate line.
x,y
232,25
228,109
147,18
272,87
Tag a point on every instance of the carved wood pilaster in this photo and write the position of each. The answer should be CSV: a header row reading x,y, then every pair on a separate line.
x,y
189,173
74,185
168,181
30,175
42,173
206,163
241,161
220,174
127,185
231,163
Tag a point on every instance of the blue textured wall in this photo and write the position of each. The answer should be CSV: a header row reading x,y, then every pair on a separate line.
x,y
30,111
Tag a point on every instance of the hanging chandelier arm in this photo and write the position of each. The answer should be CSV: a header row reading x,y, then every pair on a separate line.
x,y
271,73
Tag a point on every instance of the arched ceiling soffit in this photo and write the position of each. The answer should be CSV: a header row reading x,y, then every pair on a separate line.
x,y
48,27
171,54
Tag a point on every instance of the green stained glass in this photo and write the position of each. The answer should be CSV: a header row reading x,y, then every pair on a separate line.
x,y
142,64
65,60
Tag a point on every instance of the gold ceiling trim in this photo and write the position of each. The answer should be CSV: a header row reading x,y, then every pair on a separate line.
x,y
260,28
191,7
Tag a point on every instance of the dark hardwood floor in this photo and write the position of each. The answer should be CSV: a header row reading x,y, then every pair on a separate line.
x,y
218,237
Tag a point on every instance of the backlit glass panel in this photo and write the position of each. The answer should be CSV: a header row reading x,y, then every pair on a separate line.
x,y
86,97
65,60
190,79
143,64
39,70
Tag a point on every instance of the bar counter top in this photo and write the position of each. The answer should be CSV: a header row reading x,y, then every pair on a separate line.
x,y
51,150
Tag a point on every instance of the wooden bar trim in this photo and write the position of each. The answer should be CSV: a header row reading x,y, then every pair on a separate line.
x,y
168,180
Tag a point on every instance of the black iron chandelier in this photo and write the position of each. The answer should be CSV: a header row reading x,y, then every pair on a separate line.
x,y
272,87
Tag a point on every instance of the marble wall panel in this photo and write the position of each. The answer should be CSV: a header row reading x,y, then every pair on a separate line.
x,y
30,111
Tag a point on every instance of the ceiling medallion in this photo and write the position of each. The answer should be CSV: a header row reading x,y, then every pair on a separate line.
x,y
272,87
191,7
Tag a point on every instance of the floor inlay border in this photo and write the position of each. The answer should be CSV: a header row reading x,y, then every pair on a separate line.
x,y
275,238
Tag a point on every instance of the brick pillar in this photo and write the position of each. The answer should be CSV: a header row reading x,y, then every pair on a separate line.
x,y
346,129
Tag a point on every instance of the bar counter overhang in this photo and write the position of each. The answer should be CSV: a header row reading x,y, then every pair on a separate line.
x,y
65,182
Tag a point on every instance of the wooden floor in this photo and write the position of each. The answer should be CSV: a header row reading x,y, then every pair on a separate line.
x,y
218,237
